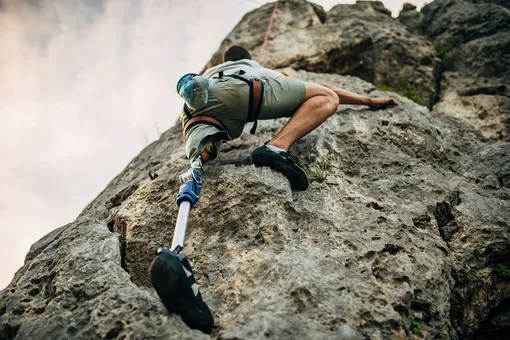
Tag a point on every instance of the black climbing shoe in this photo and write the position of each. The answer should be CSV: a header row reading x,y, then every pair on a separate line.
x,y
171,276
281,161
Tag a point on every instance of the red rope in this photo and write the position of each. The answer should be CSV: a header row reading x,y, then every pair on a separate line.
x,y
267,33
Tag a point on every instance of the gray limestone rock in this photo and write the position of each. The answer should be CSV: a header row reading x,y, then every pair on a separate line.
x,y
403,232
473,39
362,253
410,17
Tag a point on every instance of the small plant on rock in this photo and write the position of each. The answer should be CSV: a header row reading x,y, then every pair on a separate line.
x,y
503,271
3,303
414,93
320,171
442,48
414,326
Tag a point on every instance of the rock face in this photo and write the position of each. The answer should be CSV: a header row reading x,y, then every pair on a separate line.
x,y
403,233
410,17
360,40
473,40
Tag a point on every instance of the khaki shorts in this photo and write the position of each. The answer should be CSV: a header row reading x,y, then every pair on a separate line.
x,y
229,99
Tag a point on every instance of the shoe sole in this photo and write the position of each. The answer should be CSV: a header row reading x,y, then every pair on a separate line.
x,y
295,177
171,283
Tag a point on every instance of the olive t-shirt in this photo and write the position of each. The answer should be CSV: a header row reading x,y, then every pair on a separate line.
x,y
251,67
200,135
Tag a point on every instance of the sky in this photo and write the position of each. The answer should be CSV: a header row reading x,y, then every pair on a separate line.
x,y
84,87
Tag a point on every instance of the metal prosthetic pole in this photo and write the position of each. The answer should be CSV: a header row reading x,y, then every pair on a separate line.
x,y
189,193
180,228
171,273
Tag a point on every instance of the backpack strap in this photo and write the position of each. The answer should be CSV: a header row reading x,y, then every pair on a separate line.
x,y
187,112
202,120
256,97
247,81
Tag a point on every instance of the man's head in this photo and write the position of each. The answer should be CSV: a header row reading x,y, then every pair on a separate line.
x,y
235,53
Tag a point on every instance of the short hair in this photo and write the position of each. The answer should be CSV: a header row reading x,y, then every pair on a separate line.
x,y
235,53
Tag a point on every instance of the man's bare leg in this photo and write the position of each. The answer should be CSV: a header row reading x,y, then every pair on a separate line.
x,y
320,104
351,98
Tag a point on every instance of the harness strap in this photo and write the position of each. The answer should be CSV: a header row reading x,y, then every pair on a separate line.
x,y
255,101
202,120
256,96
187,111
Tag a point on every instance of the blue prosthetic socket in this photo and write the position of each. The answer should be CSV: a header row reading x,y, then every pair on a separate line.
x,y
193,88
191,188
184,80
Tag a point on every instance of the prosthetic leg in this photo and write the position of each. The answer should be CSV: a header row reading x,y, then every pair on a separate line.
x,y
171,273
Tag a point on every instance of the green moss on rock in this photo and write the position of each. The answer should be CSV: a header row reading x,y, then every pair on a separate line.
x,y
414,326
442,48
405,88
503,271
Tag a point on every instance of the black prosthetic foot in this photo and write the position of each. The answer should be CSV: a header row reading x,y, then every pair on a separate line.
x,y
173,279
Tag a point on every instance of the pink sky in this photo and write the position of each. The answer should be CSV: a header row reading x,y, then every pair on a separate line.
x,y
83,90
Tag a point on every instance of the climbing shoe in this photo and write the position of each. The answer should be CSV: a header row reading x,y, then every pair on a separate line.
x,y
173,279
281,161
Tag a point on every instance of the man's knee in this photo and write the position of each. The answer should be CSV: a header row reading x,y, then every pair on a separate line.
x,y
329,97
330,100
333,99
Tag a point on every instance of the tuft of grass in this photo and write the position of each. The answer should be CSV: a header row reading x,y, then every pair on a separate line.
x,y
197,258
384,88
442,48
503,271
3,303
414,326
414,93
320,171
402,86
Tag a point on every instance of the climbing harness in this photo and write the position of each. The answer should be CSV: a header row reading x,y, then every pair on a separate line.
x,y
256,96
254,105
194,120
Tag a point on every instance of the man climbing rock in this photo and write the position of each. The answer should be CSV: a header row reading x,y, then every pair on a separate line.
x,y
240,90
217,106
